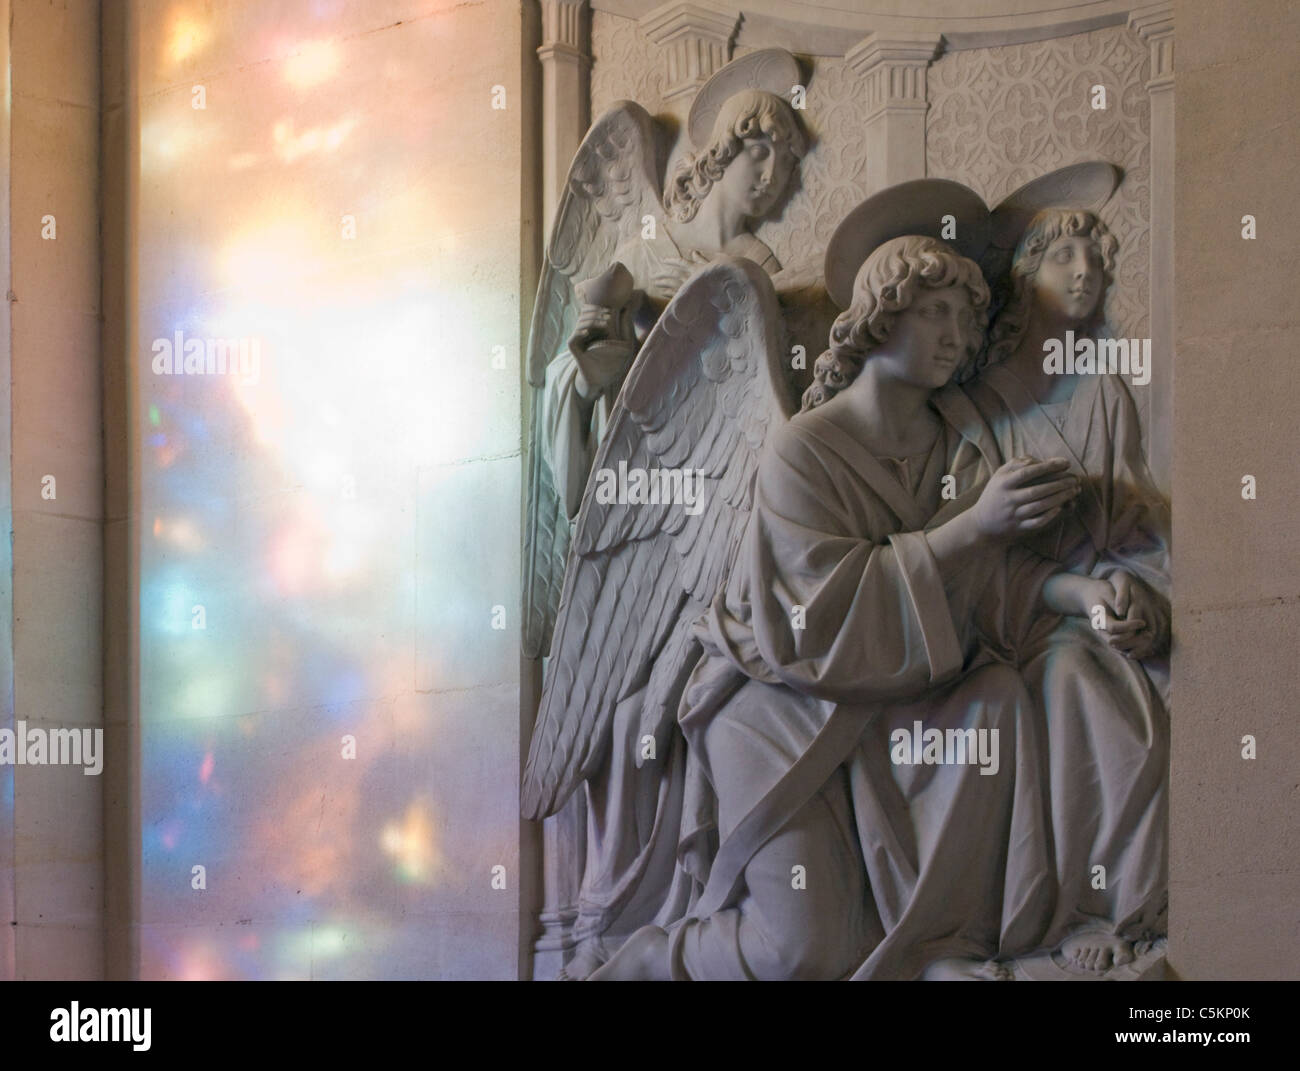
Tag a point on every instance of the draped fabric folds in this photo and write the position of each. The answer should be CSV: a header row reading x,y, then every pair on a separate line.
x,y
1106,716
813,853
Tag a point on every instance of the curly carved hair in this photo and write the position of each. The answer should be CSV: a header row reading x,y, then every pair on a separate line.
x,y
1045,228
885,285
747,114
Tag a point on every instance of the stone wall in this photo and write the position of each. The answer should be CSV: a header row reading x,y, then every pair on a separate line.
x,y
51,824
326,709
1235,853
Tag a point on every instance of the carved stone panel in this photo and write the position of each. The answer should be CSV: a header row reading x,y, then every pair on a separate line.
x,y
1002,116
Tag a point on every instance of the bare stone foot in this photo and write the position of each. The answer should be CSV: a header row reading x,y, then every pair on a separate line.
x,y
588,956
967,970
1096,951
643,958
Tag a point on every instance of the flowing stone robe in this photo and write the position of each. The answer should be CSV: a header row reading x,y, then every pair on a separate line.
x,y
1106,715
788,729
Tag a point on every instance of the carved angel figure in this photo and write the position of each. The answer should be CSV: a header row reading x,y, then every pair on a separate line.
x,y
798,620
748,148
1102,692
701,398
619,251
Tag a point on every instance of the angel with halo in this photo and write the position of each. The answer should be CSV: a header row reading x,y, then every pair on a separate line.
x,y
852,573
1102,692
618,252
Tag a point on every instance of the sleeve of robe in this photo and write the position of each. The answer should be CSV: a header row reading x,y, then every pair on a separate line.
x,y
876,619
1139,523
1002,585
571,431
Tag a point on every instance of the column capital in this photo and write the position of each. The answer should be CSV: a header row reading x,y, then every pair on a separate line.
x,y
892,66
696,39
562,36
565,56
1154,23
562,22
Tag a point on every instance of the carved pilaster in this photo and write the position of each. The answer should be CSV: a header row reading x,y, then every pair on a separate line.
x,y
566,97
565,55
695,39
893,71
1154,23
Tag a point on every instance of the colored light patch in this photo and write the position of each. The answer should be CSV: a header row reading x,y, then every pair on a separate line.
x,y
288,506
186,37
410,845
314,63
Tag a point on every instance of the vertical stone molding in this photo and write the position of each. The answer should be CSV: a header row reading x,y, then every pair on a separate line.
x,y
892,69
565,54
566,99
1154,23
695,39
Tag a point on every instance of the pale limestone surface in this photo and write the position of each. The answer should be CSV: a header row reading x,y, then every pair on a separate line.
x,y
1235,838
57,828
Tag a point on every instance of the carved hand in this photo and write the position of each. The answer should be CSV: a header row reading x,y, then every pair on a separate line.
x,y
603,344
1135,601
1023,496
664,285
1080,596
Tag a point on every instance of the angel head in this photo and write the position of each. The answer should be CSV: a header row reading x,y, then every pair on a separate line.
x,y
752,153
1062,269
916,303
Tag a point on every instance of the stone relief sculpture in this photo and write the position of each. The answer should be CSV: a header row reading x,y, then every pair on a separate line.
x,y
619,251
748,145
650,717
700,399
789,716
1102,692
813,837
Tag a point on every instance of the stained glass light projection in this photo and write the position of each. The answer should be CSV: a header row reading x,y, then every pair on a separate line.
x,y
328,256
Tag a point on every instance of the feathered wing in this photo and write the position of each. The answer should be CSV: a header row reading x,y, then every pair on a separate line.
x,y
702,394
611,185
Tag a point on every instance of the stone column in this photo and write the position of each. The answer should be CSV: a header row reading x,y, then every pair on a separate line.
x,y
566,98
565,55
1154,23
52,868
892,67
695,39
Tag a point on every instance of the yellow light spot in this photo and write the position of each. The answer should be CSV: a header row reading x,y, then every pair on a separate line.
x,y
186,37
410,844
310,66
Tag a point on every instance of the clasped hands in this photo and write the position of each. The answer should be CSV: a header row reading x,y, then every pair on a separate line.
x,y
1025,495
1134,619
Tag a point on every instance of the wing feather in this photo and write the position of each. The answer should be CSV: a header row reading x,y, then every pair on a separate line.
x,y
612,184
702,394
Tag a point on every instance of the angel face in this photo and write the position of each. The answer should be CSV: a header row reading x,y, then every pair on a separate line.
x,y
1070,278
929,338
757,176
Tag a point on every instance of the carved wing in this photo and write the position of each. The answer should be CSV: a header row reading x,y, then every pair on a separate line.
x,y
612,184
701,395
